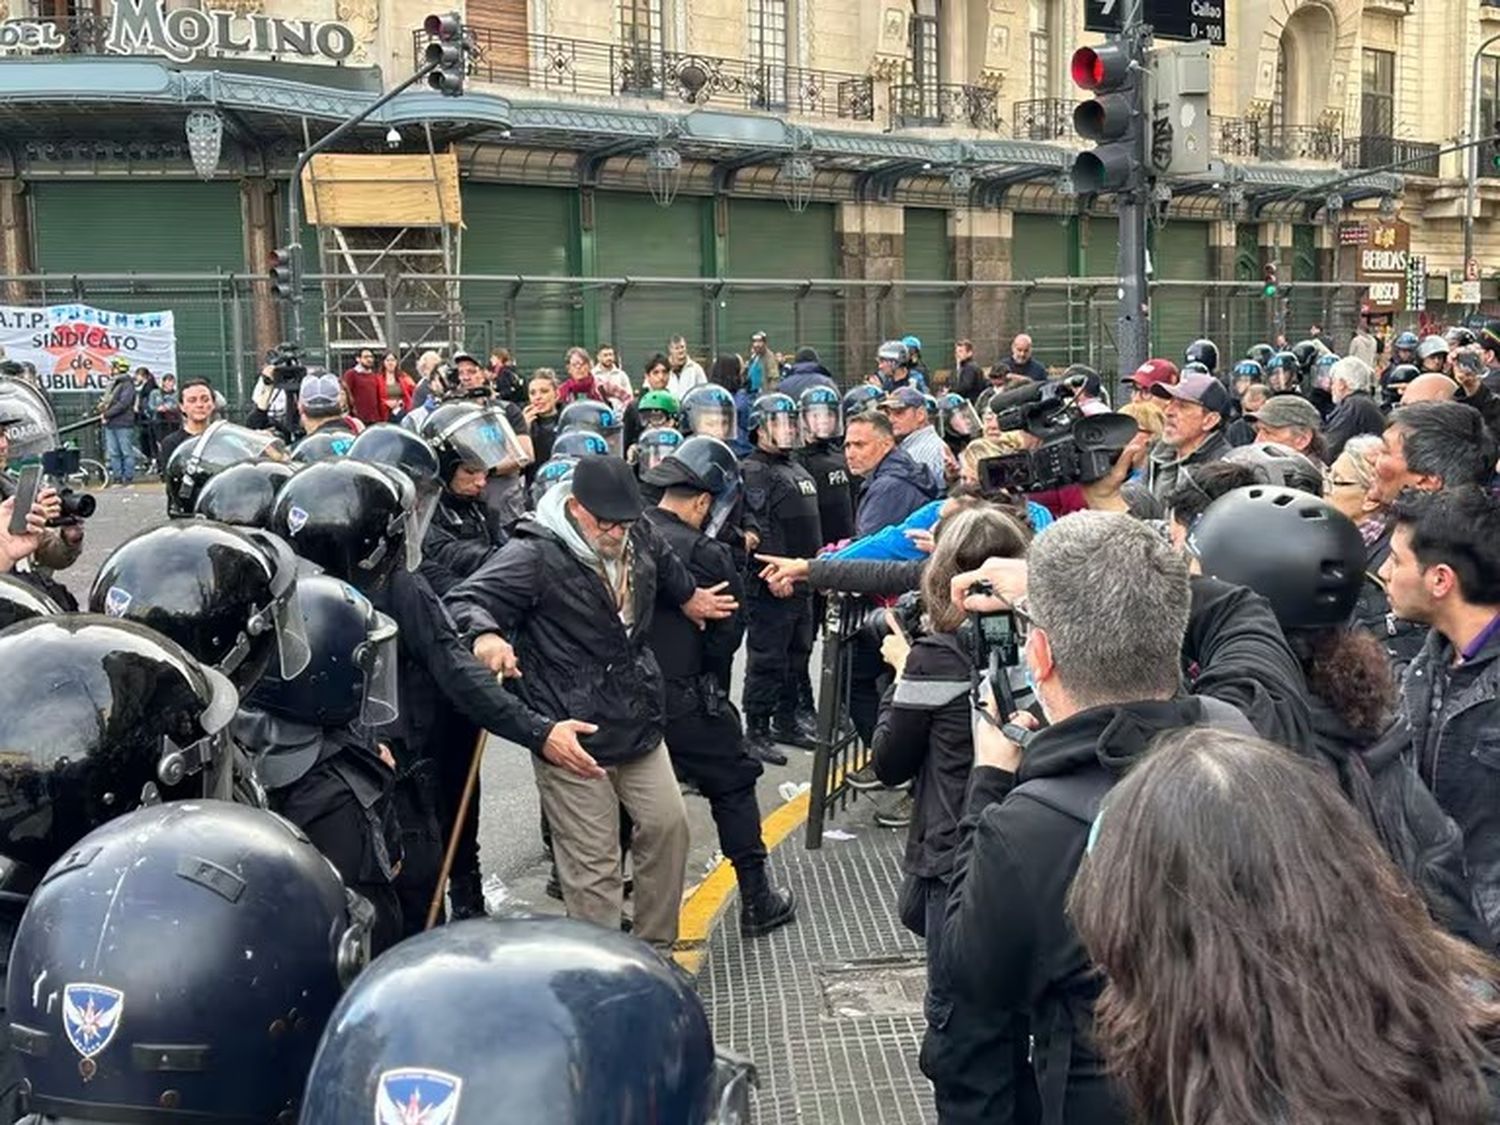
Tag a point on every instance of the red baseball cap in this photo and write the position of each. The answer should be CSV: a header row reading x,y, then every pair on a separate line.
x,y
1153,372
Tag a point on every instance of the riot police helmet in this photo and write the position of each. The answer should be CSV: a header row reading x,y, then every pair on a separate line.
x,y
1307,353
861,398
200,458
958,421
322,445
467,435
1405,342
243,494
29,422
1203,351
550,1021
893,352
654,446
580,443
98,716
223,593
404,452
820,415
351,518
1294,549
705,464
707,410
21,601
596,417
555,471
1249,371
1322,371
180,964
350,675
1261,353
1432,347
1460,337
774,417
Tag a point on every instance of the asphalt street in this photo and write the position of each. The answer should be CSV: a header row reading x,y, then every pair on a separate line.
x,y
511,855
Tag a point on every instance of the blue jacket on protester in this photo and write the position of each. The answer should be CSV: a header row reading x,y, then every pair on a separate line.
x,y
892,544
897,488
803,376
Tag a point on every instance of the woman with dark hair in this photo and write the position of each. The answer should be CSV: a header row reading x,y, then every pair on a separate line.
x,y
1264,962
729,372
398,385
976,1062
1306,558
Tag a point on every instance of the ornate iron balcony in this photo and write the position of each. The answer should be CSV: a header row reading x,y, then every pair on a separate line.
x,y
1234,136
605,70
1044,119
1378,151
1301,142
972,107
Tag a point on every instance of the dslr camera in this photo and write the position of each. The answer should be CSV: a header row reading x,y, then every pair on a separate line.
x,y
57,466
1075,448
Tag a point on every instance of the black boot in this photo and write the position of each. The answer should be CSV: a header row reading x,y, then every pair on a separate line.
x,y
807,710
466,897
794,732
554,883
758,743
763,908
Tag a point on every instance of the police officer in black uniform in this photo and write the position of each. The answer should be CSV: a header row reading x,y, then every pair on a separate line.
x,y
464,531
357,522
782,498
700,483
179,964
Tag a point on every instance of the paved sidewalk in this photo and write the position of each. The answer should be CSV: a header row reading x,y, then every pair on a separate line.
x,y
830,1008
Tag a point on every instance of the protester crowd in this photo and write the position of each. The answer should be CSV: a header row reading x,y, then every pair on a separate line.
x,y
1186,705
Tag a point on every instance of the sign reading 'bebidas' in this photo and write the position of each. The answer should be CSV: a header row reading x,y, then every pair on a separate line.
x,y
147,27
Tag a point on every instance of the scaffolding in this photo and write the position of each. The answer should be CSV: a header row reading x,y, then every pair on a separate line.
x,y
386,221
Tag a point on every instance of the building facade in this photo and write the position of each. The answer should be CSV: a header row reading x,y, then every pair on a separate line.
x,y
829,171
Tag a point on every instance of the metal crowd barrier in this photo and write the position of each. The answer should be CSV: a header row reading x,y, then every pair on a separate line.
x,y
839,750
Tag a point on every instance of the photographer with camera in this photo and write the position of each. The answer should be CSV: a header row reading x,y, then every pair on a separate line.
x,y
57,543
924,736
1111,617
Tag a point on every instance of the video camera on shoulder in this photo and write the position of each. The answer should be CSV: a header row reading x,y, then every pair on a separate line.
x,y
1075,448
287,365
57,466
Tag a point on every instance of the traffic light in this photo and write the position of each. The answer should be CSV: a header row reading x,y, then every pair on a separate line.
x,y
1180,80
283,276
1270,289
448,53
1111,118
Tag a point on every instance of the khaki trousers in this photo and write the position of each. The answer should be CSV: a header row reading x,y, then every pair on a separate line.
x,y
585,819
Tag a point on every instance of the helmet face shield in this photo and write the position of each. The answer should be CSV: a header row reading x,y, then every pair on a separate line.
x,y
485,441
723,505
821,421
376,658
292,648
713,418
781,429
655,447
961,421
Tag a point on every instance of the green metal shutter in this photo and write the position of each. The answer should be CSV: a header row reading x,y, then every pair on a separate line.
x,y
929,316
1305,307
111,226
767,240
1054,317
637,238
510,229
1180,253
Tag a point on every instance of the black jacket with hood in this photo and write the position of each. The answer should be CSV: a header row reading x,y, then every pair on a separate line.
x,y
579,657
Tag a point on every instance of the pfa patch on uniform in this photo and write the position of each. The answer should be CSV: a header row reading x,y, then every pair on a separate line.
x,y
91,1016
296,519
413,1095
116,602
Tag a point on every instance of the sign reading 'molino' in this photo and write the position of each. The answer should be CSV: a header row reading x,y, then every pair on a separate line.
x,y
147,27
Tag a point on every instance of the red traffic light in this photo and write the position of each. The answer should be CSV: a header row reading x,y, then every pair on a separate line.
x,y
1105,67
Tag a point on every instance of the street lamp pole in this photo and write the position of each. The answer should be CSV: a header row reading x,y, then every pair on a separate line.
x,y
1471,164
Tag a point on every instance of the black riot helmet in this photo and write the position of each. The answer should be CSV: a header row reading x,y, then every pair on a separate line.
x,y
243,494
406,453
861,398
708,464
549,1021
1307,353
223,593
200,458
1261,353
776,415
465,434
1284,371
1205,352
179,965
551,473
820,414
351,673
96,715
350,518
1393,386
580,443
322,445
654,446
1297,551
20,601
708,411
598,417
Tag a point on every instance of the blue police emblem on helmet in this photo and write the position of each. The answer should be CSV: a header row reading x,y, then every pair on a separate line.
x,y
296,519
116,602
413,1095
91,1016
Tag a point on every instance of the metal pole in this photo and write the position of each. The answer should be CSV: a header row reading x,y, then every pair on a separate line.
x,y
1133,329
1471,158
294,195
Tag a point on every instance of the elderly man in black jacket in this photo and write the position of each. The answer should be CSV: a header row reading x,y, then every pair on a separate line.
x,y
1112,614
574,591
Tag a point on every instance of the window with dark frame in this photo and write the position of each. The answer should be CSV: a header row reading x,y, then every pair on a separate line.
x,y
641,46
1377,98
1489,111
767,51
924,58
